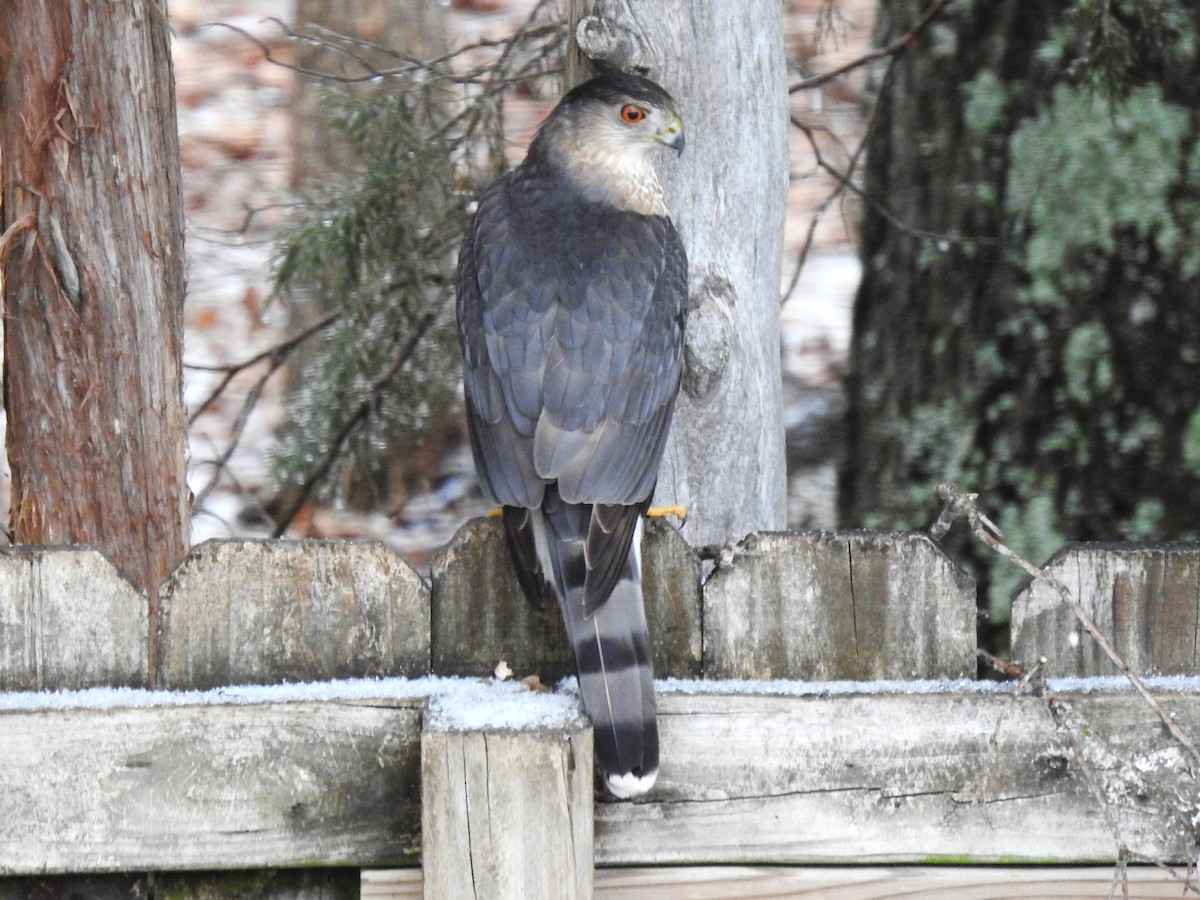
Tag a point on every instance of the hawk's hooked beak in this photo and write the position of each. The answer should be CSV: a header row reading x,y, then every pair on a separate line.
x,y
672,135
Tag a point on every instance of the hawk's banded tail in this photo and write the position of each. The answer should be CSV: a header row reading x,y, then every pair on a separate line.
x,y
611,643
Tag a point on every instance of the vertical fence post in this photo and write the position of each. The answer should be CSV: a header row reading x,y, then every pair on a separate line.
x,y
506,813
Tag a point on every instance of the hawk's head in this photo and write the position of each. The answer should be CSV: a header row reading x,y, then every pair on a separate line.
x,y
602,137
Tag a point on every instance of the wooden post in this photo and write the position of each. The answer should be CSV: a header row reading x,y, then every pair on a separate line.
x,y
262,612
1145,598
506,813
68,619
858,605
724,63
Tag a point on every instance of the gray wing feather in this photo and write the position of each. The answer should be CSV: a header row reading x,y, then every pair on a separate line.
x,y
572,344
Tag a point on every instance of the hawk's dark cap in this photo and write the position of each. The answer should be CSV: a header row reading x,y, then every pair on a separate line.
x,y
615,87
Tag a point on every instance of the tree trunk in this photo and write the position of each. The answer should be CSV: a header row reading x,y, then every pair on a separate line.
x,y
724,64
1030,301
93,281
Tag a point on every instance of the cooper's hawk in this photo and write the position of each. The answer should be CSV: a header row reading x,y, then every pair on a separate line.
x,y
572,292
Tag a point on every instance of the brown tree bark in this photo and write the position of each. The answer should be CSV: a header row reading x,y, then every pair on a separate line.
x,y
93,281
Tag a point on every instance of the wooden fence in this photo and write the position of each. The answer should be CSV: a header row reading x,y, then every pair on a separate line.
x,y
818,706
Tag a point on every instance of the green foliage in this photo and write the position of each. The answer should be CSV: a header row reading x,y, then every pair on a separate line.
x,y
1111,38
986,101
376,246
1083,172
372,252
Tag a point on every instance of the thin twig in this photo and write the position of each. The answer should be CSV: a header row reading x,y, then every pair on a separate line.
x,y
277,354
322,469
895,48
959,502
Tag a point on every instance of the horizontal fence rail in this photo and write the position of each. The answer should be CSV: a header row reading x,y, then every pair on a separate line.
x,y
780,746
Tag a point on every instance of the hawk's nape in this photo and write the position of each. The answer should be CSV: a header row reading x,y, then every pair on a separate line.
x,y
572,293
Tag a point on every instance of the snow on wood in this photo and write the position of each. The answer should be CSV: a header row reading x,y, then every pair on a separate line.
x,y
809,775
838,605
889,778
241,611
507,813
1145,598
68,619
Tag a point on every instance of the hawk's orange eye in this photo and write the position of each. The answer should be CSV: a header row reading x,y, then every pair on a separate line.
x,y
632,113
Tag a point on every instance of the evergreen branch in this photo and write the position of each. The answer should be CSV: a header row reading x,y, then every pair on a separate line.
x,y
321,471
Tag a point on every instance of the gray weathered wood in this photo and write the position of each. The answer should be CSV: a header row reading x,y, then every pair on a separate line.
x,y
888,778
209,787
724,63
480,616
261,612
68,619
841,882
1144,598
856,605
507,813
874,778
671,592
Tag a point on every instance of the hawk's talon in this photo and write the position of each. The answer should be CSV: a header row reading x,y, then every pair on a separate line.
x,y
662,512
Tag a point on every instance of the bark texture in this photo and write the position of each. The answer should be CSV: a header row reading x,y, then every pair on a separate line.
x,y
724,64
93,281
1030,303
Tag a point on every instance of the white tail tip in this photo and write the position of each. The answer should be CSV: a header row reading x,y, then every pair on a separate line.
x,y
628,786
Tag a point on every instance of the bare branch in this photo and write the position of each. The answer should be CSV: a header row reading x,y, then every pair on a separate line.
x,y
959,502
895,48
323,467
277,354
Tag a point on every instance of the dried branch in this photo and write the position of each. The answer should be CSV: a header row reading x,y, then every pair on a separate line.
x,y
893,49
276,355
339,43
960,503
319,472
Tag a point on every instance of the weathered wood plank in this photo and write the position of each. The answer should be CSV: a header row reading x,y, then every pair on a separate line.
x,y
68,619
261,612
840,883
480,616
829,776
209,787
507,813
671,589
838,605
1144,598
882,778
876,883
